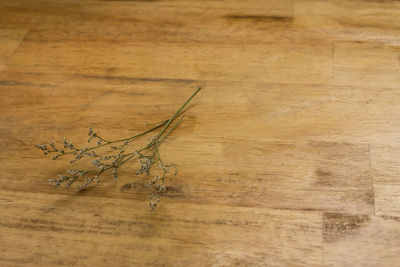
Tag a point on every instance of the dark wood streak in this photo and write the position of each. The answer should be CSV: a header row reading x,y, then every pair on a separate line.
x,y
107,227
135,79
324,178
394,218
18,83
129,0
259,18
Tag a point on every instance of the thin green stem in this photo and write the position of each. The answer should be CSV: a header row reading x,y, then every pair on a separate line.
x,y
177,113
120,140
171,130
151,144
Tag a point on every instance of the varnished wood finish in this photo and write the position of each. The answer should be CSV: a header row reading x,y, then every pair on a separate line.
x,y
290,156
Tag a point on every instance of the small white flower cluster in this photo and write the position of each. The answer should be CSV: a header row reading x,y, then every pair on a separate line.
x,y
67,179
154,200
146,162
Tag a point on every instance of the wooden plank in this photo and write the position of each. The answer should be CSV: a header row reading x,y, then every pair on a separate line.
x,y
311,176
263,111
295,112
252,21
274,63
385,166
385,163
354,240
387,199
56,230
359,20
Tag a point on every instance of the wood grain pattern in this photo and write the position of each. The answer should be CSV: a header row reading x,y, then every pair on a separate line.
x,y
288,157
108,234
9,41
373,240
369,64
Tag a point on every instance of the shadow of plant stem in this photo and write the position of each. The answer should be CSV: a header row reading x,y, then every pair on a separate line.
x,y
149,155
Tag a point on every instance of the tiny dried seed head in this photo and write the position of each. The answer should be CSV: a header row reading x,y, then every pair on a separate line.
x,y
114,174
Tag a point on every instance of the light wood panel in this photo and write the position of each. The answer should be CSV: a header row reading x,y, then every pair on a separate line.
x,y
288,157
371,240
385,165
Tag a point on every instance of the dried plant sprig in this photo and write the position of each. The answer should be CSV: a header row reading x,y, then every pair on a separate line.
x,y
148,156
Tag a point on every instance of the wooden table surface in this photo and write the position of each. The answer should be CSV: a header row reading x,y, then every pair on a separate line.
x,y
290,156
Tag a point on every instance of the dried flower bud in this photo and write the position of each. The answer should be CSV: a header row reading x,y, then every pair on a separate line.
x,y
72,171
96,162
114,174
70,182
152,182
154,200
100,168
161,189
